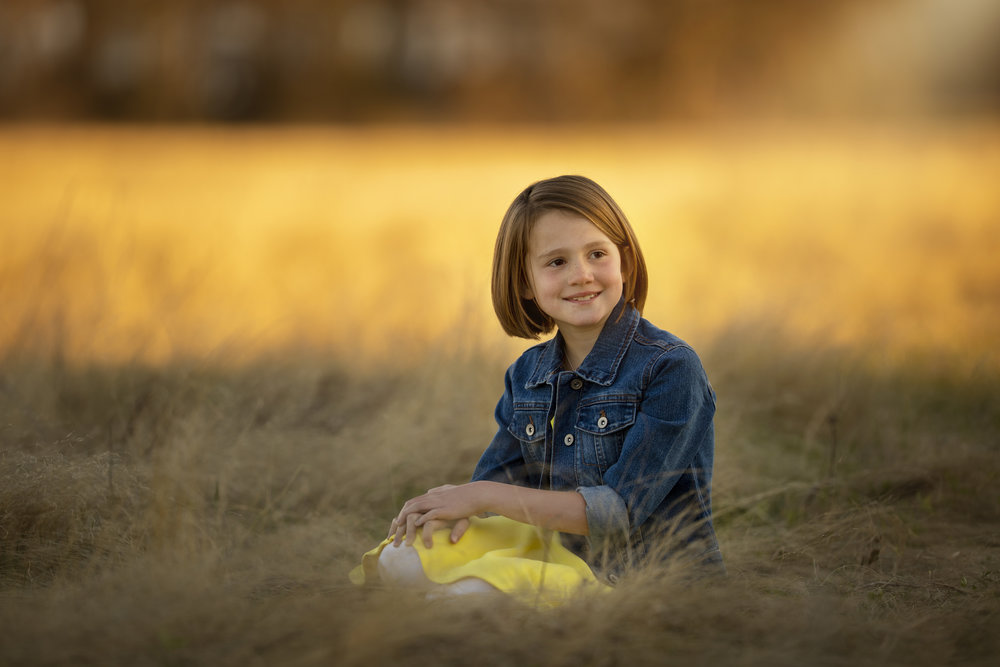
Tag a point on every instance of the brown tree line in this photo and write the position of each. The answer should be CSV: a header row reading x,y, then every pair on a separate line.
x,y
364,60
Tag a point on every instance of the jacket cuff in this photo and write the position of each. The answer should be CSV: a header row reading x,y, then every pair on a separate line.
x,y
607,516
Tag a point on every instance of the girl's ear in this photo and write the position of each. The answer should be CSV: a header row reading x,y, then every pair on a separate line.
x,y
526,292
524,285
626,262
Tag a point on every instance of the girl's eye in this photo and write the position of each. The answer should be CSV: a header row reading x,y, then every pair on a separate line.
x,y
598,254
557,262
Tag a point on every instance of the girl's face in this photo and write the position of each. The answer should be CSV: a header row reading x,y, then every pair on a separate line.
x,y
575,272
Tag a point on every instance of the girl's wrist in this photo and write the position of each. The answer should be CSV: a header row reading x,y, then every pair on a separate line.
x,y
487,494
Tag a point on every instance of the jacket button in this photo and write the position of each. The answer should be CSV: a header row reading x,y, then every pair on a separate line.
x,y
576,383
602,422
530,430
568,440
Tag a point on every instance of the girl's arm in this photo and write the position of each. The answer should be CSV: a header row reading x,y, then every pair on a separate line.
x,y
564,511
670,442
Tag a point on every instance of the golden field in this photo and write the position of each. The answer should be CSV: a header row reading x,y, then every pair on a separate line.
x,y
227,355
156,244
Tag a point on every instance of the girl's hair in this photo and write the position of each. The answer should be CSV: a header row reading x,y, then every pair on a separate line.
x,y
581,196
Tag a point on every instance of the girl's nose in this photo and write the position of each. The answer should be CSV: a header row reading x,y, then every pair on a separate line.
x,y
581,273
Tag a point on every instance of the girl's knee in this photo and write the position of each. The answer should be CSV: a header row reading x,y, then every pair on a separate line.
x,y
401,566
469,585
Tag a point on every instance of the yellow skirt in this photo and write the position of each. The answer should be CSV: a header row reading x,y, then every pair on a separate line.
x,y
521,560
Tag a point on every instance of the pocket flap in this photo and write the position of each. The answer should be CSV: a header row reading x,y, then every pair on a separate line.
x,y
528,425
601,418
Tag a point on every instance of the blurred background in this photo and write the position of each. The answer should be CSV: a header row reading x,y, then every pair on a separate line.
x,y
245,251
495,60
179,178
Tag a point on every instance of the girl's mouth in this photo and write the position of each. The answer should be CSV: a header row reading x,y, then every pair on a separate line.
x,y
583,298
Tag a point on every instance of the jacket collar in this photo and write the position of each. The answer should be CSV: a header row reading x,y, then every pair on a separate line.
x,y
601,365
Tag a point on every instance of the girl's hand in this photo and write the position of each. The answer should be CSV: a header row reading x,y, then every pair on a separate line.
x,y
427,530
433,509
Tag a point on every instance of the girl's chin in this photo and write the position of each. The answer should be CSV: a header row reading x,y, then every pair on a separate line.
x,y
583,321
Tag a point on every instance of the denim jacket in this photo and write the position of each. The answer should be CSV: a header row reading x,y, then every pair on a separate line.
x,y
630,430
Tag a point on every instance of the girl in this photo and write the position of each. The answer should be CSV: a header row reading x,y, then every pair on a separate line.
x,y
604,431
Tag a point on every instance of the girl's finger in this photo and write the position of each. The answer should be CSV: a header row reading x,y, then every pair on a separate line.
x,y
398,535
400,531
424,519
411,529
401,517
411,506
404,513
428,534
461,526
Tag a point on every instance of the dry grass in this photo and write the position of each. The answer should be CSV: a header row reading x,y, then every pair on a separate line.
x,y
195,515
197,495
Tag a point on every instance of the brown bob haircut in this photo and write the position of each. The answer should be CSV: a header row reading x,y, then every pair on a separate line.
x,y
577,195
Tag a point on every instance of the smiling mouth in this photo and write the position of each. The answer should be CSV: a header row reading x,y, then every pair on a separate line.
x,y
584,298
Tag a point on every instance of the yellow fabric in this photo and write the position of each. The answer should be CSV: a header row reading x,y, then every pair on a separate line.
x,y
519,559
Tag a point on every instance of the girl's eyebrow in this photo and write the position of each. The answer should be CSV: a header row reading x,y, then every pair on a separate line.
x,y
563,251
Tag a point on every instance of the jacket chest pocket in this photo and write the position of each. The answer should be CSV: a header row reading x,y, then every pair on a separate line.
x,y
602,427
529,427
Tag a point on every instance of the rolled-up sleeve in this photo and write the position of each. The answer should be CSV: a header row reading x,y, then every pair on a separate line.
x,y
607,516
